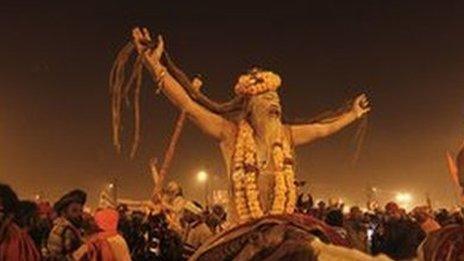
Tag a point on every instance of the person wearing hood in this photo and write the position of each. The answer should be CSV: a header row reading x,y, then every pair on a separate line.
x,y
107,243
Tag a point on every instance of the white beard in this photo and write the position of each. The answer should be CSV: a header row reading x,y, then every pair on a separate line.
x,y
268,131
271,131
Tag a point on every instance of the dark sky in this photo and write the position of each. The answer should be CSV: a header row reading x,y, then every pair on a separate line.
x,y
407,56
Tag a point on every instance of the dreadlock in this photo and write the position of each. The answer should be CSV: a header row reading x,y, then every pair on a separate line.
x,y
120,92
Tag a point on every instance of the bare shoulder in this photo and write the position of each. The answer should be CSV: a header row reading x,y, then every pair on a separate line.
x,y
228,140
229,132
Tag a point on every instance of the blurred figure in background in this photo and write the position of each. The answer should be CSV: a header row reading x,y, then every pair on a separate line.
x,y
215,218
321,210
196,232
334,219
173,202
356,229
15,243
106,244
398,236
46,215
304,203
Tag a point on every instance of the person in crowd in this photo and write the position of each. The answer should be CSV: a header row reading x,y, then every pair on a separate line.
x,y
173,202
334,219
107,243
15,243
216,218
304,203
398,236
425,218
173,197
356,229
44,225
66,234
150,238
134,234
392,211
196,231
321,210
442,216
27,218
163,243
124,222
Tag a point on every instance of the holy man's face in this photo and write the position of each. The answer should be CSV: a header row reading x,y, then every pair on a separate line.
x,y
265,106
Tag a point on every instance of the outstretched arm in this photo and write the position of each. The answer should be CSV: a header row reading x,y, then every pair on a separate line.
x,y
211,123
305,133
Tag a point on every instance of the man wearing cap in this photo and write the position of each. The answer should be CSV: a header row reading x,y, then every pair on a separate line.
x,y
66,236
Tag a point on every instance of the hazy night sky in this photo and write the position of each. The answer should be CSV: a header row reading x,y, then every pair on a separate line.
x,y
408,57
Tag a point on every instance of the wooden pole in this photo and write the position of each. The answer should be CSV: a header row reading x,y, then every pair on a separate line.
x,y
158,177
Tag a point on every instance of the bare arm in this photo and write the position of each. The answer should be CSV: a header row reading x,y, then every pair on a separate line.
x,y
305,133
211,123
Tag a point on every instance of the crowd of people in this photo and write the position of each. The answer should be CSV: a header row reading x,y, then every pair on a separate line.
x,y
392,230
64,231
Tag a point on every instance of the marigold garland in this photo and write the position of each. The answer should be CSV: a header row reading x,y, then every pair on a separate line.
x,y
246,171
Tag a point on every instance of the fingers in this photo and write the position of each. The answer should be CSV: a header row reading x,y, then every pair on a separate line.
x,y
362,101
146,34
138,38
160,43
136,33
141,34
362,97
365,103
160,47
362,104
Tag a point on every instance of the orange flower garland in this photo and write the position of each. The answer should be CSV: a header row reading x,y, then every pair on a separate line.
x,y
245,173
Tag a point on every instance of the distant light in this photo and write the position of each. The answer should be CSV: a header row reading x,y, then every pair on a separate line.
x,y
403,197
111,185
202,176
374,189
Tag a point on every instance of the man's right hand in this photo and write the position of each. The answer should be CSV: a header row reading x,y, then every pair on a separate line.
x,y
142,40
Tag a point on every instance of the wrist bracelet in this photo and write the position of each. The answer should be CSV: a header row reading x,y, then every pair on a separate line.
x,y
160,76
159,80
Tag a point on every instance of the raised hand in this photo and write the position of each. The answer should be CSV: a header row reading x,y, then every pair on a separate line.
x,y
361,105
143,44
